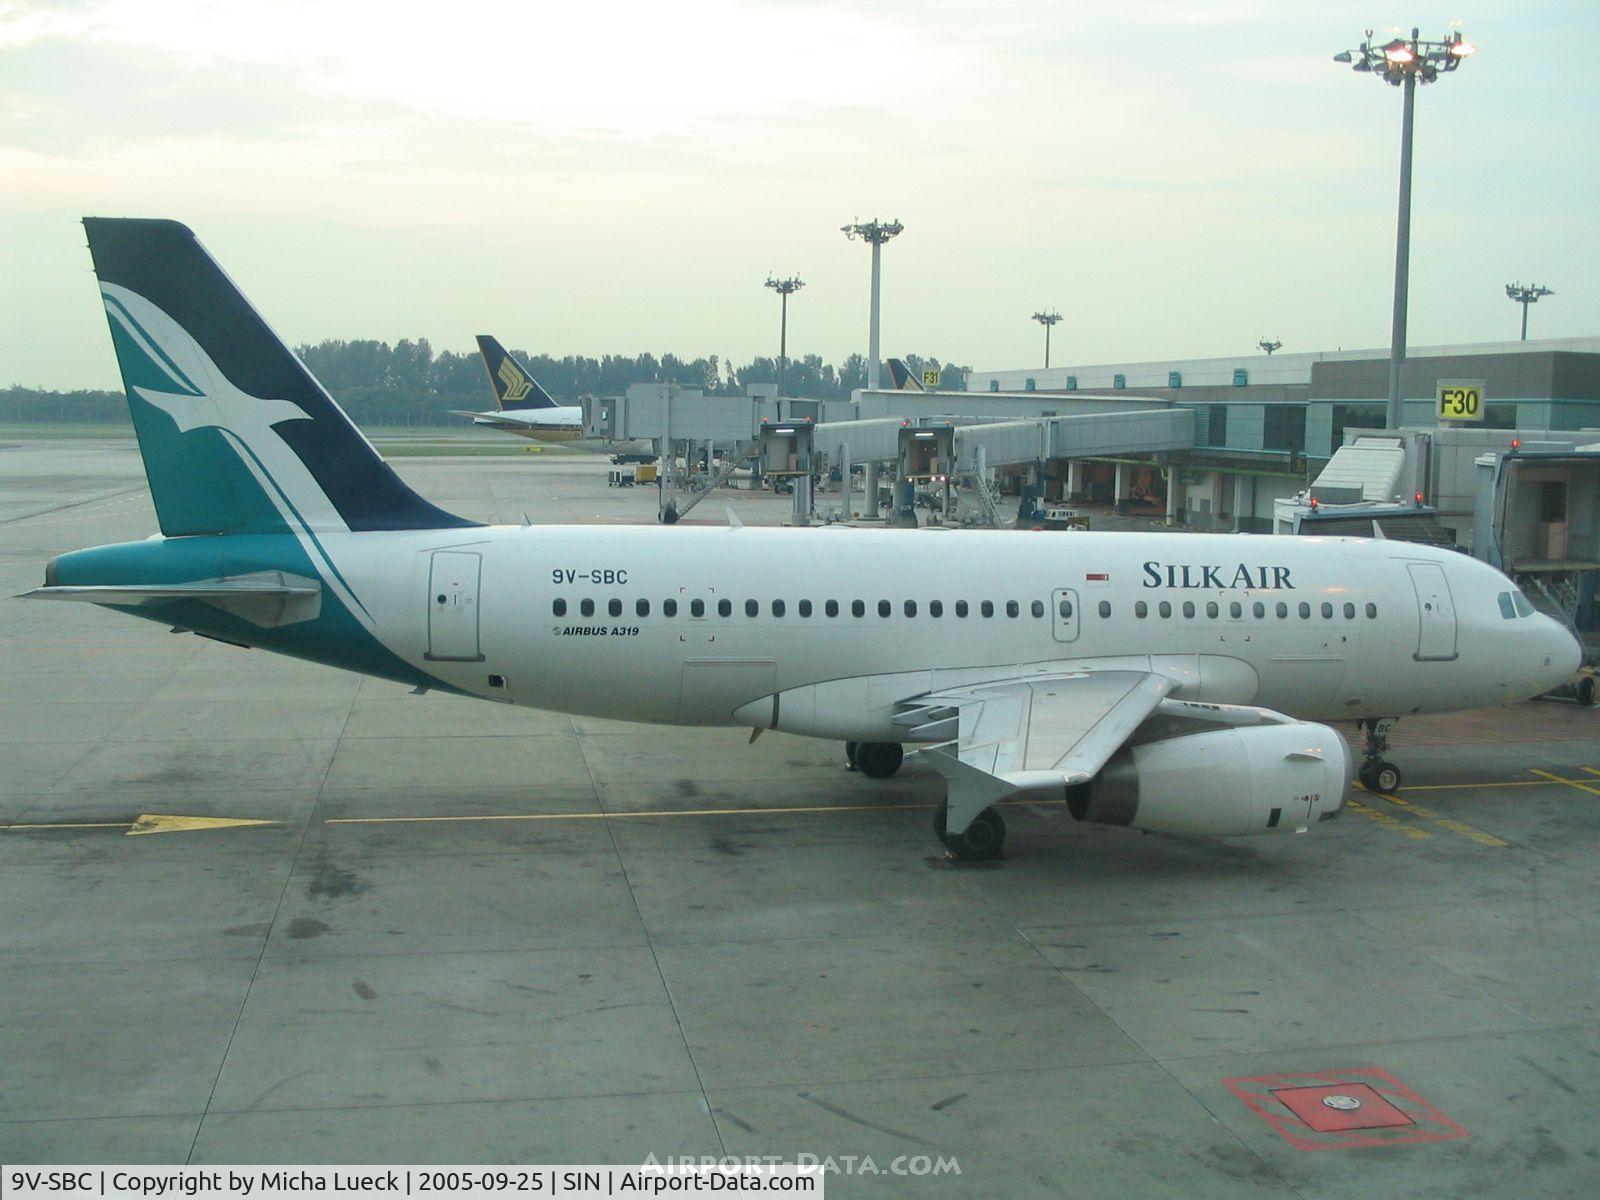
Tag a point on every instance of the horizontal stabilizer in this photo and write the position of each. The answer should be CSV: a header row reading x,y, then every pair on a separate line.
x,y
266,598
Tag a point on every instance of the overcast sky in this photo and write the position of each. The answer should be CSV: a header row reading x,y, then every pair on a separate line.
x,y
1179,179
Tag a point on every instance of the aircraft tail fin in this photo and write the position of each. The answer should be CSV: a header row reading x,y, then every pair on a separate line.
x,y
901,374
236,434
513,386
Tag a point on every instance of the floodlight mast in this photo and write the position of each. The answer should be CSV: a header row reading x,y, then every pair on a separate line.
x,y
1047,318
1402,63
1526,296
876,233
785,288
1270,345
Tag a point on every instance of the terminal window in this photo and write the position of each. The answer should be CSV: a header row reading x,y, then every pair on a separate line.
x,y
1356,416
1216,428
1284,428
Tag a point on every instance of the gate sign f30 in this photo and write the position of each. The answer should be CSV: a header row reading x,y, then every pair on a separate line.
x,y
1458,400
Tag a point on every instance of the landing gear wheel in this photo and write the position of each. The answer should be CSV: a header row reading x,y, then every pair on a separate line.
x,y
1380,777
1377,774
850,749
983,840
878,760
1586,692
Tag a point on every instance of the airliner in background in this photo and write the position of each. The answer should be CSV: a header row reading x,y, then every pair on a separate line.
x,y
1166,682
523,407
901,377
529,411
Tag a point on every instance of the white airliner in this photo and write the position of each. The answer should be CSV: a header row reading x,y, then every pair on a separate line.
x,y
1165,682
529,411
524,407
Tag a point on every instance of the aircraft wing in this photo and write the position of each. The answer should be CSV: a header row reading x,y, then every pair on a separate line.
x,y
1033,731
492,419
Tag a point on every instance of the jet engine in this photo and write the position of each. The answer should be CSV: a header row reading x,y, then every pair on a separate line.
x,y
1223,782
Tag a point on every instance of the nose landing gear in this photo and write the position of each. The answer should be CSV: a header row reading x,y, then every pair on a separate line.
x,y
1376,773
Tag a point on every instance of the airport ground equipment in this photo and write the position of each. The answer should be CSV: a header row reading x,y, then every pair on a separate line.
x,y
1167,682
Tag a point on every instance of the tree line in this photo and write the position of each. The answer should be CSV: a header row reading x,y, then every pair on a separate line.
x,y
408,384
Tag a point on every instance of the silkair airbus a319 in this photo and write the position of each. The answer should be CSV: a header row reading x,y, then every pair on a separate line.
x,y
1159,681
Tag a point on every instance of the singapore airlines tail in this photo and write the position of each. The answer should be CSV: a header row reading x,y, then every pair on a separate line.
x,y
904,380
514,388
237,435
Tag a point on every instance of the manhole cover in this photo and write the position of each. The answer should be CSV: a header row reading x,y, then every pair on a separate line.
x,y
1342,1103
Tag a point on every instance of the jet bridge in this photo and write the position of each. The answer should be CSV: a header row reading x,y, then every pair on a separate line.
x,y
1537,518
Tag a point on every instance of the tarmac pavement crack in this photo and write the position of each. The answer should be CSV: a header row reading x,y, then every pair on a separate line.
x,y
272,923
666,988
1262,1164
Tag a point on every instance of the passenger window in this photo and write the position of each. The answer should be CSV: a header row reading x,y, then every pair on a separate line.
x,y
961,608
1141,610
641,607
587,608
858,608
1065,607
1258,610
1211,609
831,608
805,608
1305,610
1165,609
697,608
936,608
1188,608
1012,608
1105,608
1037,608
777,608
724,608
751,608
987,608
911,608
614,608
669,608
1235,610
1327,610
1283,610
559,607
884,608
1372,610
1349,611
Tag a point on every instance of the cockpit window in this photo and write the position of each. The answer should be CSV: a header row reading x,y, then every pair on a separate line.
x,y
1514,605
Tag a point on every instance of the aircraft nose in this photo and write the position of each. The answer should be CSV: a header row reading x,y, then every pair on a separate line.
x,y
1563,654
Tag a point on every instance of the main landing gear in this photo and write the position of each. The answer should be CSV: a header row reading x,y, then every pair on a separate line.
x,y
1376,773
875,760
983,840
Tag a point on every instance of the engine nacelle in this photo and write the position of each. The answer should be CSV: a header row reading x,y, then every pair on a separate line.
x,y
1224,782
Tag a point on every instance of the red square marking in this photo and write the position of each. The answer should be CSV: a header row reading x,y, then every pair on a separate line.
x,y
1388,1112
1356,1106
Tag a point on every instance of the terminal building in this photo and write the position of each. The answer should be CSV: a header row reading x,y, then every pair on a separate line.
x,y
1265,425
